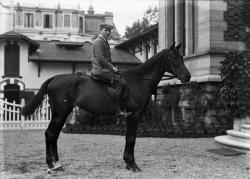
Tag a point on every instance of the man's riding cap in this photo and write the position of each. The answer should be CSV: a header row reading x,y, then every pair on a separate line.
x,y
106,25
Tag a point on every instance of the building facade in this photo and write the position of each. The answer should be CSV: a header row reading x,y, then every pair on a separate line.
x,y
208,30
42,23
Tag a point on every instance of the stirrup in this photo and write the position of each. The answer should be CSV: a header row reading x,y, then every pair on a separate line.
x,y
123,114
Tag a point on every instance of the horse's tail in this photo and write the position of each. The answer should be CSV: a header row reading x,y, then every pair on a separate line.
x,y
30,107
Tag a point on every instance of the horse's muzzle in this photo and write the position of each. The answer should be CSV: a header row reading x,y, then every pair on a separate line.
x,y
185,78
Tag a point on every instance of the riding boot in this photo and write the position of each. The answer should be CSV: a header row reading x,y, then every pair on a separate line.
x,y
119,104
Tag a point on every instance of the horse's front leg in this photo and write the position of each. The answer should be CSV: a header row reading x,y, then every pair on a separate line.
x,y
132,123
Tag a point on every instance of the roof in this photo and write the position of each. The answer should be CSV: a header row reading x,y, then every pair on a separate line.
x,y
33,45
150,32
52,51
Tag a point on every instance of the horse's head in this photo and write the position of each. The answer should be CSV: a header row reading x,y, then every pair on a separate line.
x,y
175,64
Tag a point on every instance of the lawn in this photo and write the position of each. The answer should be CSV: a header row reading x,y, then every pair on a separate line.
x,y
22,155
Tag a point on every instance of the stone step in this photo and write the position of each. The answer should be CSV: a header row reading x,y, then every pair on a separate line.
x,y
239,136
245,128
228,141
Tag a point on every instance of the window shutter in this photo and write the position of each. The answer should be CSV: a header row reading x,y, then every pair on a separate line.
x,y
66,21
50,21
60,19
12,54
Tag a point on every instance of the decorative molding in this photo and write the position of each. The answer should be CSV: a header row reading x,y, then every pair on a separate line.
x,y
12,81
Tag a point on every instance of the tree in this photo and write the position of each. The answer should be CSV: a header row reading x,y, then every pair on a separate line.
x,y
151,14
150,17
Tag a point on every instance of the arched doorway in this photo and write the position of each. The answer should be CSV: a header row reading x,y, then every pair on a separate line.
x,y
12,93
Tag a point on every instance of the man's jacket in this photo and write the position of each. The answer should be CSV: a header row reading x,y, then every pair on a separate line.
x,y
101,59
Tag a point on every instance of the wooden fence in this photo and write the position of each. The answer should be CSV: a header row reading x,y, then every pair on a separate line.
x,y
11,118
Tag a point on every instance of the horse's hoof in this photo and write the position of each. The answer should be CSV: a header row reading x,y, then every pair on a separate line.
x,y
57,166
137,169
133,168
50,171
55,169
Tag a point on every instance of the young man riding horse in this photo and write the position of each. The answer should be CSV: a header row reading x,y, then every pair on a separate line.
x,y
103,69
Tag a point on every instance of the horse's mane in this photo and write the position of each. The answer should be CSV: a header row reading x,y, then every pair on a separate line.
x,y
146,66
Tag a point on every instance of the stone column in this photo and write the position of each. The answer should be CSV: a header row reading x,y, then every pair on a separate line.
x,y
161,24
189,27
170,22
179,22
166,23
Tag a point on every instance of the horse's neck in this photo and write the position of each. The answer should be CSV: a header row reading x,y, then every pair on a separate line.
x,y
151,76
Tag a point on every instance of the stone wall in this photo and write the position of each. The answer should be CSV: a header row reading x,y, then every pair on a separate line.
x,y
194,108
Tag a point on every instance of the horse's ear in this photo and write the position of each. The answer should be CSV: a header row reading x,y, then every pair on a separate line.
x,y
178,46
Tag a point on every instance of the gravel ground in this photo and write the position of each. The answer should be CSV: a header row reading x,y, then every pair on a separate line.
x,y
22,155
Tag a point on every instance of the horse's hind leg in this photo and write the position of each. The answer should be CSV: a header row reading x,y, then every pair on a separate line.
x,y
51,136
59,116
128,156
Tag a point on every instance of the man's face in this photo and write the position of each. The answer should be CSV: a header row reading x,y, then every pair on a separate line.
x,y
105,32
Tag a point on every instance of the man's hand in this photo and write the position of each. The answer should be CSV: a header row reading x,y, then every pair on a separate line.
x,y
115,69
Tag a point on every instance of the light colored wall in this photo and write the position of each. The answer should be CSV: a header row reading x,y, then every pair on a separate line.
x,y
202,26
6,19
1,60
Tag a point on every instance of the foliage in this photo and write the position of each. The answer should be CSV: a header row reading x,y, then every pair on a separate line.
x,y
151,14
245,18
150,17
235,92
136,28
246,13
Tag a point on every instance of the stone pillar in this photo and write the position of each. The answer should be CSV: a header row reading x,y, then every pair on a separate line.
x,y
170,23
189,48
166,23
179,22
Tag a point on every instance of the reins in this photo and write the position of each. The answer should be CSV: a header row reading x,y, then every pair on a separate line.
x,y
165,77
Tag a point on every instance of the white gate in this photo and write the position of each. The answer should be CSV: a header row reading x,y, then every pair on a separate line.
x,y
11,118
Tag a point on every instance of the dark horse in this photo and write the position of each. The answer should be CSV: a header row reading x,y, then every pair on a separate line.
x,y
69,90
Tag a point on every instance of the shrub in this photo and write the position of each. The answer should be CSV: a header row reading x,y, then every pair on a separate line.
x,y
235,90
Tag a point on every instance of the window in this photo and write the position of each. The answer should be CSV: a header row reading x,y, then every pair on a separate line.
x,y
29,20
47,21
81,25
66,20
11,58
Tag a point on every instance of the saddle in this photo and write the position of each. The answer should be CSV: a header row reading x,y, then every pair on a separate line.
x,y
112,83
116,88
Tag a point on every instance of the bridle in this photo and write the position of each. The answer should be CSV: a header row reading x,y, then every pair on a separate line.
x,y
164,77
